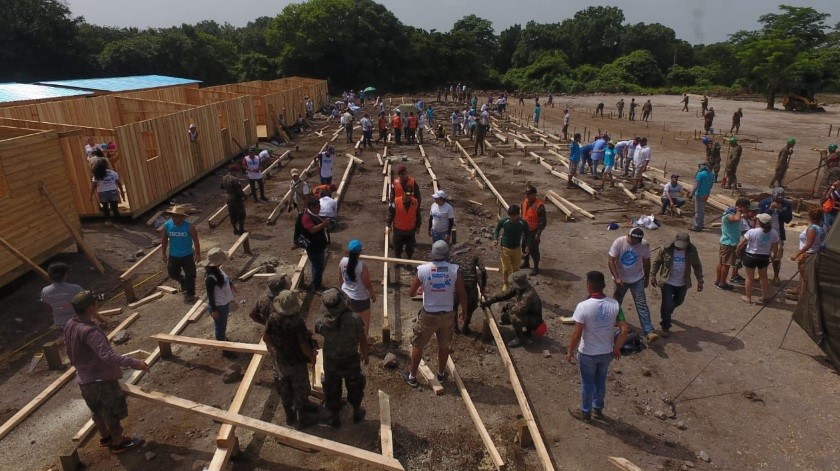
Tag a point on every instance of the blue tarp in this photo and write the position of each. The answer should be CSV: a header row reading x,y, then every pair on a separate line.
x,y
122,84
11,92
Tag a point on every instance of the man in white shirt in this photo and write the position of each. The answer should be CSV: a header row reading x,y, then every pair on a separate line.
x,y
325,163
367,131
672,194
347,123
255,176
641,159
439,281
441,218
567,116
629,263
595,321
310,107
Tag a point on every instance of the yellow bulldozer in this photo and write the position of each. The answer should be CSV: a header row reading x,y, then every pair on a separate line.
x,y
793,102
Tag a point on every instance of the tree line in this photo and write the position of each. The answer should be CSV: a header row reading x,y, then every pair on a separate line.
x,y
357,43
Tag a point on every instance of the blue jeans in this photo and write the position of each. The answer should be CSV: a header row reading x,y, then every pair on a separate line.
x,y
316,259
666,203
593,380
594,167
220,324
699,212
828,219
672,298
436,236
637,289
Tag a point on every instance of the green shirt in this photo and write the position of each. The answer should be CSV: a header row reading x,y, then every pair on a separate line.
x,y
514,234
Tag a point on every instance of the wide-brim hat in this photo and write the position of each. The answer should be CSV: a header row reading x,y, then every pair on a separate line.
x,y
178,210
216,257
287,303
519,278
333,301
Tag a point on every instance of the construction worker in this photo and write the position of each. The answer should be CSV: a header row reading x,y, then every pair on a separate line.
x,y
685,102
647,110
403,184
235,202
345,348
382,124
599,110
299,193
524,313
514,242
474,274
181,250
533,212
733,158
632,114
704,105
736,121
255,176
411,135
713,159
708,119
321,190
782,163
781,213
325,162
404,220
832,167
397,125
620,107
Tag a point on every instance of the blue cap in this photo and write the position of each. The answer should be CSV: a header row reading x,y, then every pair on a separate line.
x,y
355,245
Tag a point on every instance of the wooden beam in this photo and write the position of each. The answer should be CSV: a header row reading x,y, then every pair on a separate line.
x,y
627,192
624,464
483,177
26,260
250,273
77,236
561,207
516,384
154,296
166,289
226,437
577,181
343,185
377,258
431,378
244,241
386,325
283,435
568,203
197,310
239,347
386,438
125,277
479,424
297,275
111,312
53,388
221,214
275,213
318,371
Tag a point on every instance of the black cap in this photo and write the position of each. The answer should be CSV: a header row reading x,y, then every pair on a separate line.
x,y
530,190
637,233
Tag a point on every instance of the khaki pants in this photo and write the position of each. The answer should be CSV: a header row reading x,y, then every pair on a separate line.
x,y
511,259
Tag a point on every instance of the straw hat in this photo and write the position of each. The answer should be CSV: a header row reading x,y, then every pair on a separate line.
x,y
216,257
179,210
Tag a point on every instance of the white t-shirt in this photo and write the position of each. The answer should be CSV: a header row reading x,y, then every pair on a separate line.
x,y
328,207
346,118
59,296
326,164
441,216
109,183
598,317
759,242
223,294
354,290
253,167
89,149
265,155
421,121
366,124
566,118
674,191
438,282
629,259
677,275
641,155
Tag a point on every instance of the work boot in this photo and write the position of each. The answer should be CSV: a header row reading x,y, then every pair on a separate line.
x,y
291,415
526,263
333,420
358,414
305,421
311,407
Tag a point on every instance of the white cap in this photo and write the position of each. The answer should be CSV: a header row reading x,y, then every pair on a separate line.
x,y
439,194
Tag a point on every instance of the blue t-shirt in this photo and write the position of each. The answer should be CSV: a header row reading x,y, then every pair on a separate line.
x,y
609,157
574,152
704,181
598,149
180,239
586,150
730,232
430,114
537,112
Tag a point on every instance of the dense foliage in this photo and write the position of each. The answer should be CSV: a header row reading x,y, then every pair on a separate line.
x,y
356,43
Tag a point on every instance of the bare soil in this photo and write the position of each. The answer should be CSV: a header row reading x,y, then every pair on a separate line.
x,y
751,392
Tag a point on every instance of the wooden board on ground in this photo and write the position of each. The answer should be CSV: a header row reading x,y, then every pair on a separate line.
x,y
623,463
430,378
283,435
197,310
386,437
166,340
53,388
377,258
166,289
146,300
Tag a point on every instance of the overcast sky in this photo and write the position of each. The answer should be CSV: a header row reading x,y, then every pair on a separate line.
x,y
696,21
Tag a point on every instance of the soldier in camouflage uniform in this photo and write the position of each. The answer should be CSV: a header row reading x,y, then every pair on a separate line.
x,y
474,274
235,202
525,313
265,306
344,338
733,158
291,347
713,158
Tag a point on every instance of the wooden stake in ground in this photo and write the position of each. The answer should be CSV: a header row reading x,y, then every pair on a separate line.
x,y
386,327
385,436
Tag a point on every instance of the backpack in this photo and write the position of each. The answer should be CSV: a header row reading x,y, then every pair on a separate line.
x,y
300,238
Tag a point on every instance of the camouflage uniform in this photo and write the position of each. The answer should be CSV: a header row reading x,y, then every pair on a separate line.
x,y
470,266
732,161
782,164
832,163
713,159
235,202
523,313
342,330
284,333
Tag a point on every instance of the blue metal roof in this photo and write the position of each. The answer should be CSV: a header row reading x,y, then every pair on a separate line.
x,y
11,92
122,84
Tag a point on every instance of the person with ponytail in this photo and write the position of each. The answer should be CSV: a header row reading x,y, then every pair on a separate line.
x,y
355,283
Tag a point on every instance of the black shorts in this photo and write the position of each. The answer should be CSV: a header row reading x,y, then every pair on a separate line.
x,y
105,399
756,260
358,306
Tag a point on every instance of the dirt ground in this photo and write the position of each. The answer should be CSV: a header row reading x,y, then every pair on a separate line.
x,y
749,392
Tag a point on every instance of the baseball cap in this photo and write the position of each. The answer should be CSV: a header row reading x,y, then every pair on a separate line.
x,y
637,233
82,301
682,240
440,250
764,218
530,190
354,245
439,194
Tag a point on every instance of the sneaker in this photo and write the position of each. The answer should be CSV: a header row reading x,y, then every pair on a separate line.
x,y
666,332
406,376
651,337
727,287
125,445
190,298
737,279
515,343
333,420
441,377
580,415
597,414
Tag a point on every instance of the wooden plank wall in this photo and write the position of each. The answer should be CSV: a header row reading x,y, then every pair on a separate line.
x,y
27,221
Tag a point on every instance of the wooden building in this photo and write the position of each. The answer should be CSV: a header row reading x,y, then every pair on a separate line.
x,y
30,224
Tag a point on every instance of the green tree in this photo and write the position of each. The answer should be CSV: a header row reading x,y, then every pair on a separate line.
x,y
508,40
641,68
593,35
477,33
